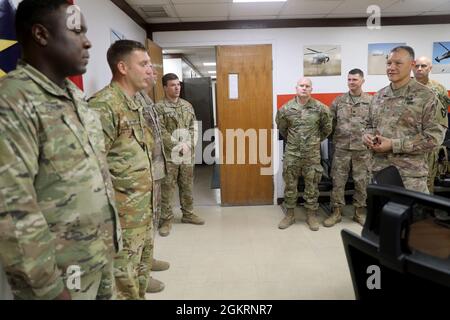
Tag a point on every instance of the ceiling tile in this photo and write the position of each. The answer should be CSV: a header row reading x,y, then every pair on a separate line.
x,y
360,6
259,17
203,19
147,2
201,10
199,1
401,14
436,13
309,7
222,10
252,9
163,20
443,7
303,16
141,10
347,15
404,6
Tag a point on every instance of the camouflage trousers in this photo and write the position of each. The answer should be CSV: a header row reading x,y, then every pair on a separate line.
x,y
156,197
419,184
344,161
311,172
99,285
183,176
432,159
133,264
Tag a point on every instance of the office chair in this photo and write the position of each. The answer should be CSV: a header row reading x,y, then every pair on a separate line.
x,y
408,252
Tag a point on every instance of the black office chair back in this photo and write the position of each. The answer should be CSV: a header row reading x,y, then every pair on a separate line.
x,y
388,176
386,243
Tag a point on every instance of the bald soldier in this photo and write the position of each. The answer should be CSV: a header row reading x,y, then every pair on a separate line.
x,y
422,71
303,122
403,124
59,229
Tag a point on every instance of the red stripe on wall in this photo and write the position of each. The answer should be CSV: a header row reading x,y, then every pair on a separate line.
x,y
325,98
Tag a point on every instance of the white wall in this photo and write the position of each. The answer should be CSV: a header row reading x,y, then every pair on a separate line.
x,y
173,66
288,50
102,16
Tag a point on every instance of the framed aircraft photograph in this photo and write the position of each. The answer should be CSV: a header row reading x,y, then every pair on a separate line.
x,y
441,57
322,60
378,55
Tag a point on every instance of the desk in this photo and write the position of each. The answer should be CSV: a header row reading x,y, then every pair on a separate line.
x,y
430,238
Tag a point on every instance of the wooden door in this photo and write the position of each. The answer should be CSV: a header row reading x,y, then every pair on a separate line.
x,y
251,66
155,52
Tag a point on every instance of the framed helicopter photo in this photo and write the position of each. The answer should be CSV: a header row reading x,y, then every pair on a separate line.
x,y
378,55
322,60
441,57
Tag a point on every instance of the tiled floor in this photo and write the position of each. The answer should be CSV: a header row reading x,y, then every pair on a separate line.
x,y
241,254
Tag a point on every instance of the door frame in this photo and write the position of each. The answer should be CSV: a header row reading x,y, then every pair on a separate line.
x,y
276,153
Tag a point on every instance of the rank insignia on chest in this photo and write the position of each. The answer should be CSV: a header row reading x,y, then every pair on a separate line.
x,y
409,100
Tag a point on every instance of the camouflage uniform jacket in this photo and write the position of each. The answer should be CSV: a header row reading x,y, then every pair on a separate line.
x,y
56,198
442,94
128,148
304,127
152,122
173,117
408,116
350,115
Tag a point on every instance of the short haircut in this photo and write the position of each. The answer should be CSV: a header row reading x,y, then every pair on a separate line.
x,y
120,49
168,77
31,12
407,49
357,71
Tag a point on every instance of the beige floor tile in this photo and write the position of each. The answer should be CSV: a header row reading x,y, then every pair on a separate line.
x,y
241,254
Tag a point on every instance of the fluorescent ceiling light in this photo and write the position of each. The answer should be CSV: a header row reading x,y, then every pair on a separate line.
x,y
243,1
212,72
209,64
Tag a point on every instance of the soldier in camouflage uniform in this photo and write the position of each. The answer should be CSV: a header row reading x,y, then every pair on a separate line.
x,y
422,70
177,120
158,173
128,149
404,123
350,114
57,210
304,122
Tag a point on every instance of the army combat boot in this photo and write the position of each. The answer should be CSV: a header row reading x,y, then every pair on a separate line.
x,y
159,265
155,286
358,217
164,227
335,217
288,220
192,219
311,219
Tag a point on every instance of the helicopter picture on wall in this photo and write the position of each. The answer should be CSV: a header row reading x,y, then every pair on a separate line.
x,y
441,57
322,60
378,55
